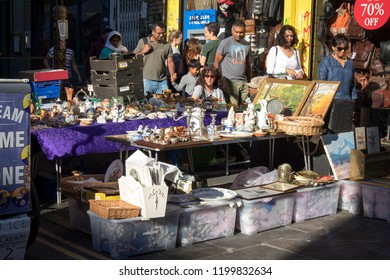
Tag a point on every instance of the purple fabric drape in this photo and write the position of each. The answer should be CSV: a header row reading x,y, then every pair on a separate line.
x,y
59,143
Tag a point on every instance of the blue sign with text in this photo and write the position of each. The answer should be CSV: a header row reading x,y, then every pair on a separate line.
x,y
194,21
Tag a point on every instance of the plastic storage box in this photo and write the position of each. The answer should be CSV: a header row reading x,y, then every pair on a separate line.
x,y
350,197
265,213
376,200
49,89
134,236
205,222
315,202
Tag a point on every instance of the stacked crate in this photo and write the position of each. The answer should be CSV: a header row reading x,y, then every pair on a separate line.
x,y
120,76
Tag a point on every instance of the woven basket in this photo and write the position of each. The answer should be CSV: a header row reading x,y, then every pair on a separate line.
x,y
114,209
296,125
73,190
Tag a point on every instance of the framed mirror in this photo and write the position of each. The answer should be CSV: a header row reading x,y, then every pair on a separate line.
x,y
290,92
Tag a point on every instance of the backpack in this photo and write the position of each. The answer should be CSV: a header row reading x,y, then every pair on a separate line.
x,y
339,23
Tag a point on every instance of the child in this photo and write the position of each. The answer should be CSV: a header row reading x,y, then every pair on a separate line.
x,y
188,81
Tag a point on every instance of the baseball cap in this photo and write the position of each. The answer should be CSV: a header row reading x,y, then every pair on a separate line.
x,y
256,82
225,1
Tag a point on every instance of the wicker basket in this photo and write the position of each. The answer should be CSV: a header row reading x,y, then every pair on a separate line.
x,y
114,209
73,190
296,125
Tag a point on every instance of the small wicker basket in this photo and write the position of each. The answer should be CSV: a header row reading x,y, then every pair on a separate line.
x,y
73,190
114,209
295,125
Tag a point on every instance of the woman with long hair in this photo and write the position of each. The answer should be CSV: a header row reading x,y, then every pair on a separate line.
x,y
191,50
210,84
283,59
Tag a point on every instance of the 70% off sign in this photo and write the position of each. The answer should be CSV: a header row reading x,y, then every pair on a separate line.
x,y
372,14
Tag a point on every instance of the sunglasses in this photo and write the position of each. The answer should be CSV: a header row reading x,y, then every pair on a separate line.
x,y
209,76
342,49
159,33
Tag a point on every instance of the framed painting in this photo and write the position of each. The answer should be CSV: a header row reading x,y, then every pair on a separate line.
x,y
337,148
360,138
319,99
373,140
290,92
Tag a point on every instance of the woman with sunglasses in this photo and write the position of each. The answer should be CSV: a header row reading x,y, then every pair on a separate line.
x,y
210,85
337,66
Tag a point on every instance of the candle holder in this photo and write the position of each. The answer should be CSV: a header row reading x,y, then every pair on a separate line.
x,y
69,96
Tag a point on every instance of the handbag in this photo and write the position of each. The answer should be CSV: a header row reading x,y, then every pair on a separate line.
x,y
376,82
380,98
363,52
385,52
250,27
339,24
355,31
376,66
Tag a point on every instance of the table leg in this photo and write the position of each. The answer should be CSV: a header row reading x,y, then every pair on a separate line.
x,y
305,152
271,153
34,166
308,153
58,163
120,151
227,159
190,159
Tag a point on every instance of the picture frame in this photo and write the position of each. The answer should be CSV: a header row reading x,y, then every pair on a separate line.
x,y
337,148
373,140
319,99
360,138
290,92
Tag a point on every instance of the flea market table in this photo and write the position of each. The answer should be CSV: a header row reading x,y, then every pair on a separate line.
x,y
58,143
127,144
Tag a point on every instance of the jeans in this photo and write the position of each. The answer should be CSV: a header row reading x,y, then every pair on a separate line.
x,y
154,86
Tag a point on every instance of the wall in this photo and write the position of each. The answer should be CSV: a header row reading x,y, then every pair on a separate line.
x,y
298,13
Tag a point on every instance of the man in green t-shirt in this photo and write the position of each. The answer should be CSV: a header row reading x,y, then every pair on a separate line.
x,y
207,54
156,52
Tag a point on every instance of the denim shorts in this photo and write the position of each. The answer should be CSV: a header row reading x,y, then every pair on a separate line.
x,y
155,86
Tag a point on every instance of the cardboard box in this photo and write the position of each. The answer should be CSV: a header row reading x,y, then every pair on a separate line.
x,y
365,166
376,200
152,200
44,75
116,78
129,237
265,213
350,197
315,202
215,219
14,233
130,61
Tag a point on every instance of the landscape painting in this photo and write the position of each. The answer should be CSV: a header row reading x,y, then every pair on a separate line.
x,y
319,99
337,148
290,92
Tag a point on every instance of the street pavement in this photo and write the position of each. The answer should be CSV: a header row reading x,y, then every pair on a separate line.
x,y
342,236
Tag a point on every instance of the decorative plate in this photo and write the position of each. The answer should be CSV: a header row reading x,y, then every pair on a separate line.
x,y
114,171
275,106
212,194
236,134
